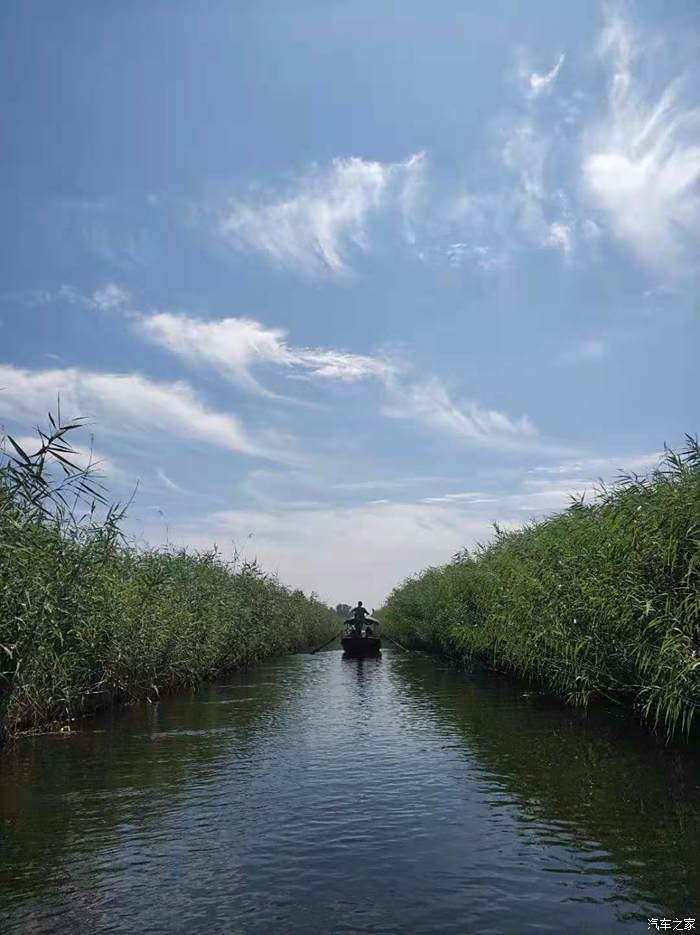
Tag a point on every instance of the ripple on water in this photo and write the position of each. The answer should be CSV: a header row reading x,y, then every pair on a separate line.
x,y
321,795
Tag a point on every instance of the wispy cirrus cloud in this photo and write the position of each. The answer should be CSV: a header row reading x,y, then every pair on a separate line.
x,y
545,488
123,404
534,208
636,170
389,542
476,255
234,346
642,162
429,403
605,466
111,298
539,84
394,537
168,483
316,226
560,235
524,202
555,165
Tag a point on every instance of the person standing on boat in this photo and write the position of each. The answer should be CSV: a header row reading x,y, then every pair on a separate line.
x,y
359,613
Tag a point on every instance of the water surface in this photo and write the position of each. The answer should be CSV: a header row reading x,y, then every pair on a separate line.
x,y
315,794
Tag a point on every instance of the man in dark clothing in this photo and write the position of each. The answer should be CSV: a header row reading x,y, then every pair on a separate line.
x,y
359,613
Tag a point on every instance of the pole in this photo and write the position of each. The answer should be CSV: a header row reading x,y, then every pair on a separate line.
x,y
335,637
396,642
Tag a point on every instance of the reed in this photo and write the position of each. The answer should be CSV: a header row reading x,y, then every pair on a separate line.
x,y
602,599
87,619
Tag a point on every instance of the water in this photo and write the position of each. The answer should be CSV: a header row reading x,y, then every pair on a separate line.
x,y
317,795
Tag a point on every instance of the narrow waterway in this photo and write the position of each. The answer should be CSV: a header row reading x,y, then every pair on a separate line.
x,y
315,794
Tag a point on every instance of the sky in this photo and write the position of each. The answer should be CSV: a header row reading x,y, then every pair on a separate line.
x,y
339,285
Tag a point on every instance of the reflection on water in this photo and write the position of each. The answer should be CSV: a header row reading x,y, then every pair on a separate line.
x,y
317,794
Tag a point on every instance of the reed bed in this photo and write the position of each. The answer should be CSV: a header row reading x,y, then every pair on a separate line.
x,y
601,600
87,619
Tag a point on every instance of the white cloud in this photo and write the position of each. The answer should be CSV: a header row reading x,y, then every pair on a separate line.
x,y
231,345
642,163
429,403
388,483
478,255
560,236
605,467
541,490
366,549
637,168
389,540
340,365
317,225
525,153
168,483
538,84
590,231
110,298
122,404
472,496
531,207
538,497
234,345
392,540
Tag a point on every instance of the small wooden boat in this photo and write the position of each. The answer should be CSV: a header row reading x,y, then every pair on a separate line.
x,y
364,643
361,646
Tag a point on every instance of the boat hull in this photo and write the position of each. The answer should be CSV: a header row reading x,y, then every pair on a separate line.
x,y
361,646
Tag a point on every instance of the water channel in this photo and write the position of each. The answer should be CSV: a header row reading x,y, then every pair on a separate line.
x,y
315,794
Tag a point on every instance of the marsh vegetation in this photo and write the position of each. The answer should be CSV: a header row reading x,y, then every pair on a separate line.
x,y
602,599
86,618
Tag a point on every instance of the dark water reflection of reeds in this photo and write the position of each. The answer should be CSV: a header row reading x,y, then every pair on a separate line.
x,y
598,778
315,794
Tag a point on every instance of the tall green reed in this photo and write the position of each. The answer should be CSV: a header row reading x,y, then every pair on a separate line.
x,y
87,619
602,599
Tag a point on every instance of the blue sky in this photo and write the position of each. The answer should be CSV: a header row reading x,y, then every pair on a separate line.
x,y
341,284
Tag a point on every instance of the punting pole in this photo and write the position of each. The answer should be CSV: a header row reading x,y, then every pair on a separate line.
x,y
396,642
339,633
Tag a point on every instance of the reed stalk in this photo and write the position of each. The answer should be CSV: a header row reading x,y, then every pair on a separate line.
x,y
87,619
601,600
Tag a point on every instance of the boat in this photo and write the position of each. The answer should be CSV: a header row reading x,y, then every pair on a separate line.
x,y
362,643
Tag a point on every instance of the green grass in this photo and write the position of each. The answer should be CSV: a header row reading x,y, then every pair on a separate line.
x,y
602,599
87,619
